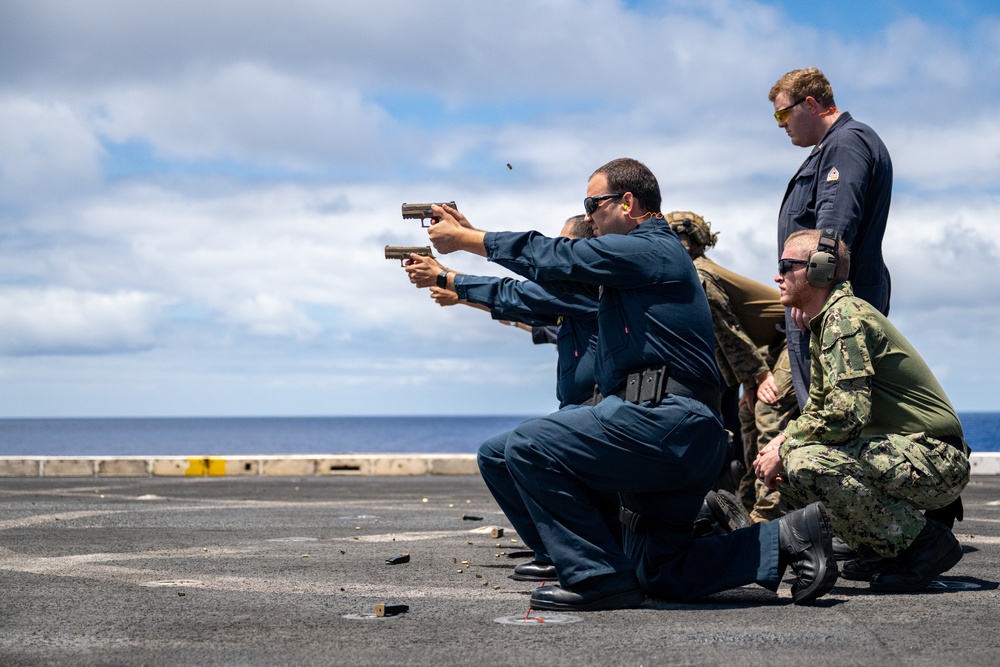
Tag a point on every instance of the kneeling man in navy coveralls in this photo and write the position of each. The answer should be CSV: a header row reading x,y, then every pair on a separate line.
x,y
656,437
878,440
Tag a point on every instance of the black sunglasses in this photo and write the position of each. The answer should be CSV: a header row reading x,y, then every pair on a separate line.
x,y
590,204
785,265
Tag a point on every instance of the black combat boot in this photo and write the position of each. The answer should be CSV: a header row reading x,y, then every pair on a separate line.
x,y
842,550
534,571
933,552
721,513
618,590
805,543
865,564
728,511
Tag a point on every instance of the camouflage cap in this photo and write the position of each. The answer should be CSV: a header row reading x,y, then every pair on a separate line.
x,y
693,228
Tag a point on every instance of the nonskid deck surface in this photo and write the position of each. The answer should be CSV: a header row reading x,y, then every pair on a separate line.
x,y
264,570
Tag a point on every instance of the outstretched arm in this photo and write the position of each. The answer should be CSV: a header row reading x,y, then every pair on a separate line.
x,y
453,232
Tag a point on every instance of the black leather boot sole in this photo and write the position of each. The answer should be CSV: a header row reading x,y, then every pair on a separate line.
x,y
728,511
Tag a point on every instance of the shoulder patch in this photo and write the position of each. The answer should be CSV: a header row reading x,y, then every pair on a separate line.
x,y
834,175
843,346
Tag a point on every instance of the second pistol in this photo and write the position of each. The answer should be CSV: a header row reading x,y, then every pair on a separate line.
x,y
402,252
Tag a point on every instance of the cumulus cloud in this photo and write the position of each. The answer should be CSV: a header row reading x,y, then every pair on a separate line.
x,y
46,152
64,321
212,184
945,158
245,112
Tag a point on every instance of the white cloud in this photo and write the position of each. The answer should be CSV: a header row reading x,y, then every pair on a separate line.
x,y
248,242
66,321
46,153
244,111
940,249
963,156
270,315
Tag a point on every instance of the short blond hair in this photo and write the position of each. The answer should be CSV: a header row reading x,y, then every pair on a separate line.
x,y
803,83
808,240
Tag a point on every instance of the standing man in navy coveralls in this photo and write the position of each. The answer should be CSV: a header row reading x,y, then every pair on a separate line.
x,y
845,185
656,438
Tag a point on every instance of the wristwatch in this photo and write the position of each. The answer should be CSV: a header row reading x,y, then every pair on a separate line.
x,y
442,280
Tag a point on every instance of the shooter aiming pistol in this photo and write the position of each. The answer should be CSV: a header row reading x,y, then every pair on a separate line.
x,y
423,212
402,253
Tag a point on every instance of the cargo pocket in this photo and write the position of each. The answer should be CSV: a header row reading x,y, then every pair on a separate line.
x,y
802,193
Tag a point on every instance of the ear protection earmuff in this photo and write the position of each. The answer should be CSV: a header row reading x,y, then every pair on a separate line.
x,y
822,264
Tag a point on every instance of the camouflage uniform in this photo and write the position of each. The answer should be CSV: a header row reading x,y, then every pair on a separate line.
x,y
747,343
871,441
769,419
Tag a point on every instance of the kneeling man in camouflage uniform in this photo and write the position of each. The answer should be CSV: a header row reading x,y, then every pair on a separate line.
x,y
878,440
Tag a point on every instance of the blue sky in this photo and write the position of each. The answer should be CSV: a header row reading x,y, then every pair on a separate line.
x,y
194,196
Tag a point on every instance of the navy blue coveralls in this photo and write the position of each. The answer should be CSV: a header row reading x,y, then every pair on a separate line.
x,y
661,458
845,185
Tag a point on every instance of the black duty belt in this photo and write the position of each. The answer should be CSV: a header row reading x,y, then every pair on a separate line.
x,y
631,520
639,523
652,384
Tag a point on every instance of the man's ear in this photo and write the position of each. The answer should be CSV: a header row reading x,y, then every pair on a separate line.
x,y
628,202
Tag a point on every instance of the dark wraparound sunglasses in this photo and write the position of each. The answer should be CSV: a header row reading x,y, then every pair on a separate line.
x,y
591,204
786,265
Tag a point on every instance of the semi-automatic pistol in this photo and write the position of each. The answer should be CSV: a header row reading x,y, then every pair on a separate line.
x,y
423,212
402,252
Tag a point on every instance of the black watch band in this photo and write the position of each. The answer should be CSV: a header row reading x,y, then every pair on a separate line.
x,y
442,280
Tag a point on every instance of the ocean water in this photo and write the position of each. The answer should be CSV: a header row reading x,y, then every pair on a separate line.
x,y
216,436
213,436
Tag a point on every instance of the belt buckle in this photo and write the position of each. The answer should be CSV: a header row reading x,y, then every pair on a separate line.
x,y
633,387
652,385
630,519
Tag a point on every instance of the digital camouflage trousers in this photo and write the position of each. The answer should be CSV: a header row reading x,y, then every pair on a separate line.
x,y
759,428
876,486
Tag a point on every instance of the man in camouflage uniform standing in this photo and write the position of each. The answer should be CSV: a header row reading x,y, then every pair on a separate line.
x,y
878,440
750,349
